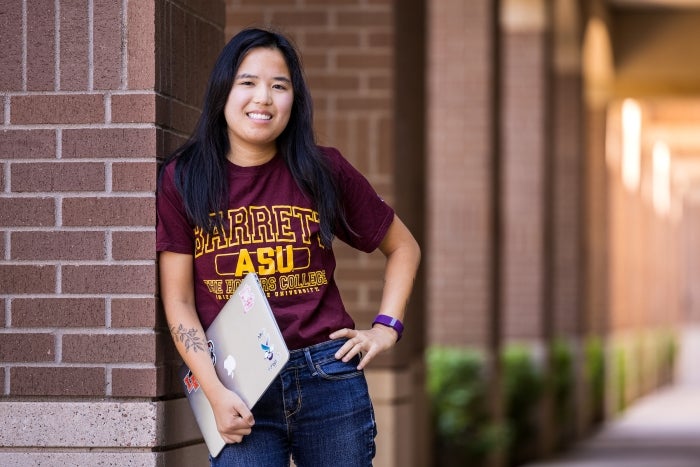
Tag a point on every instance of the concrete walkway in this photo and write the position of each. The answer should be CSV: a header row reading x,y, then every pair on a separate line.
x,y
659,430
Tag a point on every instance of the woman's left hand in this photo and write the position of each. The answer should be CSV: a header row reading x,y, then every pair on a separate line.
x,y
368,343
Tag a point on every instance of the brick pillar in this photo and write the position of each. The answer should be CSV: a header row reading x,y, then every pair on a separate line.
x,y
566,285
567,171
598,75
87,106
525,152
528,201
459,208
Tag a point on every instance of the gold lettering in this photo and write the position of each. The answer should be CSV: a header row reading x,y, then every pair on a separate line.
x,y
306,217
245,263
238,226
259,225
266,261
281,265
263,231
283,224
198,242
216,241
214,286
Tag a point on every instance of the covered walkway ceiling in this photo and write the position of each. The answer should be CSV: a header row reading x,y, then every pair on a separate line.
x,y
656,3
654,45
656,60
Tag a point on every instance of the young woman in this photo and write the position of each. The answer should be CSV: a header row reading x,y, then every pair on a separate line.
x,y
252,192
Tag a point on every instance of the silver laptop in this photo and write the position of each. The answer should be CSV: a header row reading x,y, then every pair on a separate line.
x,y
248,352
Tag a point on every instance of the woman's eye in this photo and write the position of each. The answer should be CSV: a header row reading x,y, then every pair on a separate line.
x,y
281,87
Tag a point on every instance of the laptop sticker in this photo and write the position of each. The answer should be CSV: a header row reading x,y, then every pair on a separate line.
x,y
190,382
247,298
267,349
212,355
230,365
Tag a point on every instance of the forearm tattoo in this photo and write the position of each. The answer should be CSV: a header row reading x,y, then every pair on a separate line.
x,y
189,337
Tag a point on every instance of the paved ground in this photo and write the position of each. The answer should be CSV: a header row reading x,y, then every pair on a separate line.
x,y
660,430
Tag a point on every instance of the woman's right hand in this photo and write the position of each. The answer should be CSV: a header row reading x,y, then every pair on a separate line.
x,y
233,418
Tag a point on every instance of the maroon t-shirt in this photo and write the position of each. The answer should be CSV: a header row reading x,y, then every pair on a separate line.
x,y
271,228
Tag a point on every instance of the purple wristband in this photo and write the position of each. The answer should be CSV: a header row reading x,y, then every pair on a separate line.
x,y
393,323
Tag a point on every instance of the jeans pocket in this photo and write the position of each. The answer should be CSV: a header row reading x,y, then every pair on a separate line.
x,y
334,369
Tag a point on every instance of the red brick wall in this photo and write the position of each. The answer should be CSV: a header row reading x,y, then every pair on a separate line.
x,y
525,144
567,202
459,114
87,107
347,50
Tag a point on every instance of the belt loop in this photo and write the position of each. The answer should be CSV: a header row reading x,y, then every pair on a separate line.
x,y
309,361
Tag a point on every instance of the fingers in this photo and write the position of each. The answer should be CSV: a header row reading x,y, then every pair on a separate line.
x,y
244,413
236,428
353,346
233,418
367,343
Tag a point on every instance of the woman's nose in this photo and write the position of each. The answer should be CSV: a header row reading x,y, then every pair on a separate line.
x,y
262,95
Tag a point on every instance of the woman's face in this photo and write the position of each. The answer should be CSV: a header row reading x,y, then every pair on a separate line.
x,y
259,104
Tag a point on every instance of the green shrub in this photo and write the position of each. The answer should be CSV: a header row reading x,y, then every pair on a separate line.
x,y
562,387
456,384
621,379
522,386
595,376
668,352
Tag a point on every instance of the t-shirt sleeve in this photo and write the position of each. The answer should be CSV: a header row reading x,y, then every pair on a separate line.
x,y
173,230
367,214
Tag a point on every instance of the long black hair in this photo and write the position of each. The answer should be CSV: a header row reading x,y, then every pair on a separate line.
x,y
200,171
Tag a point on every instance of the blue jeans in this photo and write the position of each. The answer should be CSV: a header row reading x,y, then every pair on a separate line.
x,y
318,411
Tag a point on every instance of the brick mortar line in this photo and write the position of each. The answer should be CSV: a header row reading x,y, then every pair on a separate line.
x,y
105,331
59,144
108,173
6,106
108,381
7,311
58,210
82,126
57,45
24,44
61,263
77,296
91,45
110,366
108,313
92,331
108,108
59,280
8,184
58,350
109,248
78,194
86,92
79,160
75,229
124,56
